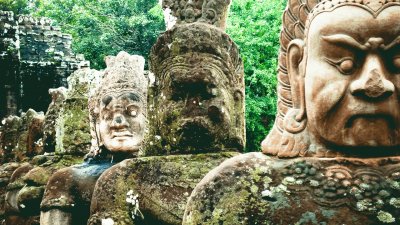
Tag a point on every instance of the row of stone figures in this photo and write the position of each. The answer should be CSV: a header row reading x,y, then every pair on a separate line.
x,y
169,153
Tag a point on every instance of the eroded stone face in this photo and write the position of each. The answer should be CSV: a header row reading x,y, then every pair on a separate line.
x,y
352,78
118,107
118,119
122,122
198,99
200,94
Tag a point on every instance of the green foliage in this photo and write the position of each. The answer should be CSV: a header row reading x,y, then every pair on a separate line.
x,y
17,6
102,28
255,26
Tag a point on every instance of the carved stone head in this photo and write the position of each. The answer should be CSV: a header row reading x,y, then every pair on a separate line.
x,y
198,98
339,80
118,107
214,12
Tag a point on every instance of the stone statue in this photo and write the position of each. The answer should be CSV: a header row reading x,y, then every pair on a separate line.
x,y
118,122
196,121
58,96
214,12
314,120
200,92
338,113
119,107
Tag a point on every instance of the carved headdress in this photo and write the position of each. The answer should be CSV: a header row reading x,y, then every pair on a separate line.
x,y
124,73
214,12
196,38
287,138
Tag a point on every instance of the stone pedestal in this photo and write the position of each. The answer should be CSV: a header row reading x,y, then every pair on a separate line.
x,y
162,185
257,189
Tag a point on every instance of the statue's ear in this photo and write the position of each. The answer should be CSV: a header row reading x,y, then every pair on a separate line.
x,y
294,62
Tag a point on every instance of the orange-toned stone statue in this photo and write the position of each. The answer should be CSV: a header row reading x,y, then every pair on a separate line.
x,y
338,89
338,113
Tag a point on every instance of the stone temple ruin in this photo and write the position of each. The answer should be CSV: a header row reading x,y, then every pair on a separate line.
x,y
34,55
173,157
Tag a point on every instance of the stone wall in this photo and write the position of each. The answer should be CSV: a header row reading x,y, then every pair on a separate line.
x,y
34,56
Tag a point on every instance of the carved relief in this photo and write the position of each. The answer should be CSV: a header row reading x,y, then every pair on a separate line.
x,y
334,184
338,89
353,102
118,113
214,12
198,99
118,122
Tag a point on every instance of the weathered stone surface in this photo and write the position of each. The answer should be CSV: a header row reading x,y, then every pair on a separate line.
x,y
26,188
9,136
214,12
333,100
197,102
72,125
20,136
58,96
29,134
6,170
338,103
117,123
70,190
118,108
34,55
162,184
258,189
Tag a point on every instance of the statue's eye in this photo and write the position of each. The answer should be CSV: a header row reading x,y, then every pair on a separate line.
x,y
345,65
132,110
133,113
396,62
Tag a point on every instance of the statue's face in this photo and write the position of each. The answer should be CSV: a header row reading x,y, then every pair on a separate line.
x,y
122,122
352,77
191,10
201,109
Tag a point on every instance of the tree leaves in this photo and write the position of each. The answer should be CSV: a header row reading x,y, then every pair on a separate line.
x,y
105,27
255,27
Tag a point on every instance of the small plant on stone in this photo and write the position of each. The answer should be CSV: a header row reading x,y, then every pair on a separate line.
x,y
133,203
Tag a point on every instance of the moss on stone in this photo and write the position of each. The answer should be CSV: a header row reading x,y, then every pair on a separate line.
x,y
163,185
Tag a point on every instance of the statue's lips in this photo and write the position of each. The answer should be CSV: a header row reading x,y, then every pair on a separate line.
x,y
389,119
121,134
199,121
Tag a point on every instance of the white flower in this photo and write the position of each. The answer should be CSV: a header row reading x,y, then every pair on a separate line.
x,y
107,221
130,192
158,137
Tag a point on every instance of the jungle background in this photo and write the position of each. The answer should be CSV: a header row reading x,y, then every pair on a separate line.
x,y
105,27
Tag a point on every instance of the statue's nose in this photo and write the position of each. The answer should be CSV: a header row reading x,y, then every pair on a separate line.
x,y
218,114
119,121
372,83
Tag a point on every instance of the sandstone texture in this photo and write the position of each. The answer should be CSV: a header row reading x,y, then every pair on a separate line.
x,y
162,185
